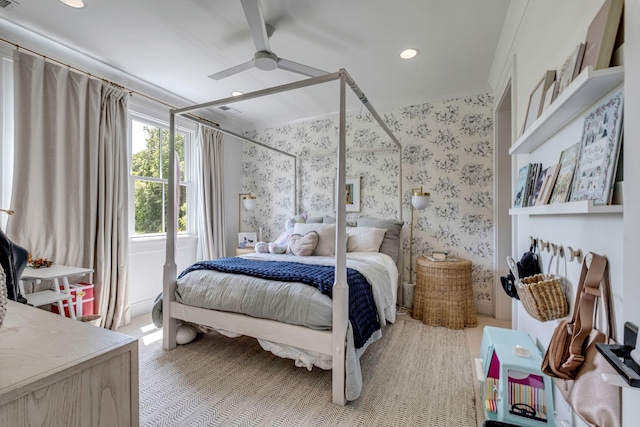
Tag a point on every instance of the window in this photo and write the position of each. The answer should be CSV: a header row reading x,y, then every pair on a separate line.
x,y
150,172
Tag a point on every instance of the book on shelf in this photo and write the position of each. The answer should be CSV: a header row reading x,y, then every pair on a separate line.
x,y
562,186
538,187
521,183
549,176
534,171
599,152
525,185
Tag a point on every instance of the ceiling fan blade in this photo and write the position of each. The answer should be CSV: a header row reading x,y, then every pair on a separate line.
x,y
295,67
253,12
231,71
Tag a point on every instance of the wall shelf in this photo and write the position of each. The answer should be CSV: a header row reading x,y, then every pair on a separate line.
x,y
587,87
568,208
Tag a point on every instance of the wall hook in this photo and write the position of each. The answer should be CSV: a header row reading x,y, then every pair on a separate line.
x,y
561,251
574,254
554,248
544,245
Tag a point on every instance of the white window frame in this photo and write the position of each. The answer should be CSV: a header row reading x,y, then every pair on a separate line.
x,y
189,181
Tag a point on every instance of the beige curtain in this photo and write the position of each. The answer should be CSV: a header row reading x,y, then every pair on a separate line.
x,y
70,176
210,180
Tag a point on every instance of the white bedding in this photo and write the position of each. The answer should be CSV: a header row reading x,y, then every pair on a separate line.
x,y
379,269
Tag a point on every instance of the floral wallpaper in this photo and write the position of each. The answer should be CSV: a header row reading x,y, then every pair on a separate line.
x,y
447,148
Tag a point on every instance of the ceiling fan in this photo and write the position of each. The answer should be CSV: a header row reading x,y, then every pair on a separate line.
x,y
264,58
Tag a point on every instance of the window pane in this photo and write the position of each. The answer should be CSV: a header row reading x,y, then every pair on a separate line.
x,y
180,137
182,211
148,207
145,154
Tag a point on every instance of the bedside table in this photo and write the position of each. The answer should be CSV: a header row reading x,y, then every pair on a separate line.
x,y
244,251
444,294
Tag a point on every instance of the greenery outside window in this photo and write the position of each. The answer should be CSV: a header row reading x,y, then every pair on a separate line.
x,y
149,176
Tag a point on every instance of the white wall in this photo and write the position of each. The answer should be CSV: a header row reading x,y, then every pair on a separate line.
x,y
631,292
538,37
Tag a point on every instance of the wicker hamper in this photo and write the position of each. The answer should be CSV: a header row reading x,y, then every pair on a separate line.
x,y
444,294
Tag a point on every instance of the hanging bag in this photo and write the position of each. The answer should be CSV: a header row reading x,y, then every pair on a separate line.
x,y
543,296
528,265
580,373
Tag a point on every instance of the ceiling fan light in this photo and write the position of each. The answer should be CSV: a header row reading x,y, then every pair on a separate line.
x,y
78,4
409,53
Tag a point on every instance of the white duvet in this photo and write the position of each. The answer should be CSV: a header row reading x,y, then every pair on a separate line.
x,y
295,303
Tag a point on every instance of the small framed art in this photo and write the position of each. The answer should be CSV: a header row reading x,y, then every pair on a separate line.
x,y
247,239
536,100
353,194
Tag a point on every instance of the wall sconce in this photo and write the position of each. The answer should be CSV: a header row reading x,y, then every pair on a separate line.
x,y
419,201
246,200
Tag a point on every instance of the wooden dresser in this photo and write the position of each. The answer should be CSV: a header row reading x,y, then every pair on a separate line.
x,y
55,371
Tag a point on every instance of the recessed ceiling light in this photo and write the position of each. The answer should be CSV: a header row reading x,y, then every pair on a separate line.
x,y
409,53
236,93
74,3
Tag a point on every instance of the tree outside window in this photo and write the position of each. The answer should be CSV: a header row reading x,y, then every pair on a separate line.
x,y
149,171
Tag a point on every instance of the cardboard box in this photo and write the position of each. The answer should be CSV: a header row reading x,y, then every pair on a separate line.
x,y
82,297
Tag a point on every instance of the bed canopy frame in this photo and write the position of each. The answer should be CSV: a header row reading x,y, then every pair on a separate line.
x,y
330,342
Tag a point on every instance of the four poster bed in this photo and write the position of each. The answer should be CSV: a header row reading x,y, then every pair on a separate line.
x,y
334,339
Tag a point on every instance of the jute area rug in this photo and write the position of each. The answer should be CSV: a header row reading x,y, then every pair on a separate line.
x,y
416,375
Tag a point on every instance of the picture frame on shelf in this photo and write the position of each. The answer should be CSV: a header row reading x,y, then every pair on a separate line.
x,y
562,186
601,35
549,96
599,151
536,99
247,239
570,70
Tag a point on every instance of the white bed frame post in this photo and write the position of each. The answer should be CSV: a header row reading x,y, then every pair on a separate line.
x,y
326,342
170,324
340,287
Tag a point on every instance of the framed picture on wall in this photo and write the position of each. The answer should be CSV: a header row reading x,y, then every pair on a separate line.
x,y
353,194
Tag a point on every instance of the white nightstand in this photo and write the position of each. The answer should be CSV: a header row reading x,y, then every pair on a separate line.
x,y
244,251
55,273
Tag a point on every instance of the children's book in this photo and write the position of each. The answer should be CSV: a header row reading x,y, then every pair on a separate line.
x,y
562,187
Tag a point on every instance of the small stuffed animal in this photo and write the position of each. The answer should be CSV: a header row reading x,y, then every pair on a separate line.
x,y
277,249
262,247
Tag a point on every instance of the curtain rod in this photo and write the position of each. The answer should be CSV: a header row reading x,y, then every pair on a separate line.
x,y
93,76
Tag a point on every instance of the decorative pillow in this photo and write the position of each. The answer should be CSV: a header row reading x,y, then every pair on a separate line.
x,y
277,249
314,219
262,247
300,245
332,220
391,239
364,239
326,237
301,218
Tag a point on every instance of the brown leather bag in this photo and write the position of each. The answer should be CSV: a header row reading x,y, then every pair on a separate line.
x,y
565,352
597,403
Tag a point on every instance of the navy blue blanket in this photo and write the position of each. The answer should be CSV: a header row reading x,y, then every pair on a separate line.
x,y
362,309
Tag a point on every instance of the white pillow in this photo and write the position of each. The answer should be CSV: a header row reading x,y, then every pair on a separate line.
x,y
326,233
364,239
